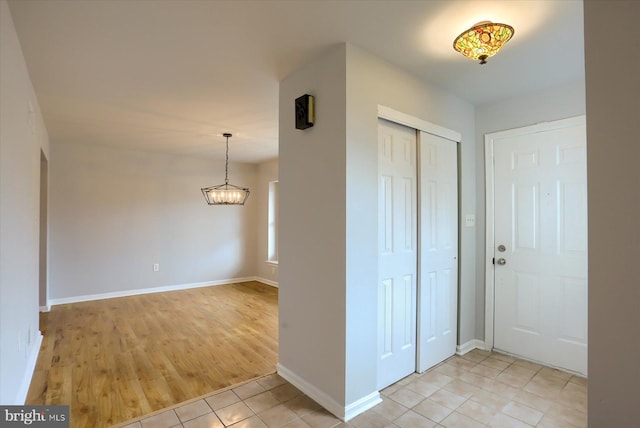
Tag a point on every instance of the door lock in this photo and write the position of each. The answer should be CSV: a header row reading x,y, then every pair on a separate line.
x,y
501,261
502,248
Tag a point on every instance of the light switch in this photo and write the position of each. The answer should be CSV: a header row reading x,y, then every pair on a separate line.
x,y
470,220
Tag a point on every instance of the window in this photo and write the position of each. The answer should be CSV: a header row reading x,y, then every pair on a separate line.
x,y
272,237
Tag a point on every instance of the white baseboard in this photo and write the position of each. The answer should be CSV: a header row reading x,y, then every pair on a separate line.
x,y
126,293
45,308
362,405
342,412
23,390
266,281
470,346
317,395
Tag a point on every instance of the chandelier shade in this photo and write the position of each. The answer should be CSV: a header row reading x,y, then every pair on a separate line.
x,y
483,40
225,194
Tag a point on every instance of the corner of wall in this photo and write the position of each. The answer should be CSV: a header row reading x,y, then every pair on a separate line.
x,y
23,135
311,267
343,412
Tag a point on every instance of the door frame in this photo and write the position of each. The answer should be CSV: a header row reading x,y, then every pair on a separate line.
x,y
43,244
489,281
400,118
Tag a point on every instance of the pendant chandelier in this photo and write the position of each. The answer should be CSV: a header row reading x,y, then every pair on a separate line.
x,y
226,194
483,40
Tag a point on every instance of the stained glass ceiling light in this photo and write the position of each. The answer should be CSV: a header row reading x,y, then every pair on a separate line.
x,y
483,40
226,194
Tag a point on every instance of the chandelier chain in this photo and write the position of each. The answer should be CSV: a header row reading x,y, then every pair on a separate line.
x,y
226,165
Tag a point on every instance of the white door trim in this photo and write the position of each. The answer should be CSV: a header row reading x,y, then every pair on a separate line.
x,y
489,209
416,123
430,128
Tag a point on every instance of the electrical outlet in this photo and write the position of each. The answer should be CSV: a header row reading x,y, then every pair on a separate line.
x,y
156,267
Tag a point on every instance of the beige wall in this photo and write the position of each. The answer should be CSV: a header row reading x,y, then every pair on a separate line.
x,y
22,137
613,153
114,213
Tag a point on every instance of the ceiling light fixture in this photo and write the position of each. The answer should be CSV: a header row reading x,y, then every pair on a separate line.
x,y
483,40
226,194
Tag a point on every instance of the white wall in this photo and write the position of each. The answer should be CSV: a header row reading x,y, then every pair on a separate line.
x,y
613,152
312,229
114,213
567,100
22,137
328,240
267,172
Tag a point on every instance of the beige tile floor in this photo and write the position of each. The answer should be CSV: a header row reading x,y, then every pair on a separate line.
x,y
479,389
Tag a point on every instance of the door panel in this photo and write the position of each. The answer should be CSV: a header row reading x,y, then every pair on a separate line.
x,y
540,206
438,250
397,248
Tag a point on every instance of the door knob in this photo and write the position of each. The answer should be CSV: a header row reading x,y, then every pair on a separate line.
x,y
501,261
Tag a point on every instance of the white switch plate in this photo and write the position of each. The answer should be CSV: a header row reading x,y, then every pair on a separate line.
x,y
156,267
470,220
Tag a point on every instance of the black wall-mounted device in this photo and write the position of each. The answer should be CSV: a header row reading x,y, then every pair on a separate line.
x,y
305,111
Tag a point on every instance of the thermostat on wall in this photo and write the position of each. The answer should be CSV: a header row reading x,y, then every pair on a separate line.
x,y
305,111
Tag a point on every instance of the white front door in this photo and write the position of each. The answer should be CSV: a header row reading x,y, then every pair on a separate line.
x,y
438,291
540,247
397,250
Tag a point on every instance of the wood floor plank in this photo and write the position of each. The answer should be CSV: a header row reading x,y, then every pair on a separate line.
x,y
117,359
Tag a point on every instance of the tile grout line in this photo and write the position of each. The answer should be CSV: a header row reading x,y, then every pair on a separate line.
x,y
190,401
457,366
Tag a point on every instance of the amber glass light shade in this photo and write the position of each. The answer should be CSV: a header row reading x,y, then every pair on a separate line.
x,y
483,40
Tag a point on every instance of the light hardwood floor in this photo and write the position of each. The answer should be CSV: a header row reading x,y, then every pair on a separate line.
x,y
117,359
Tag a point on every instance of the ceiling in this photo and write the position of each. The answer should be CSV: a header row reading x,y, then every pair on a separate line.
x,y
172,75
